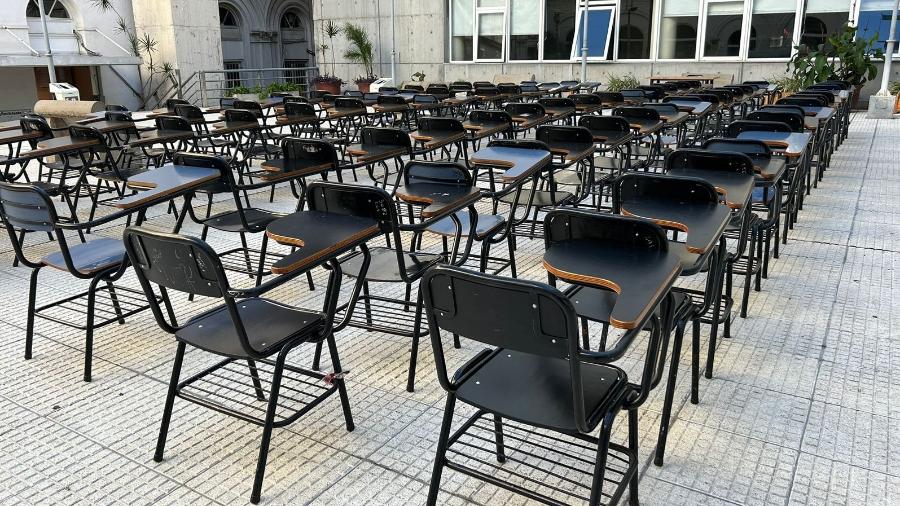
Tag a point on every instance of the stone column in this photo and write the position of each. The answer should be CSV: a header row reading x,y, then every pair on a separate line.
x,y
187,32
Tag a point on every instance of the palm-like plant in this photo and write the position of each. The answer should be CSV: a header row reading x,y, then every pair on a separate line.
x,y
361,49
331,30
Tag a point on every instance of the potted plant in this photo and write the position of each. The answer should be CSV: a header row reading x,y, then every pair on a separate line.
x,y
361,51
326,81
241,93
844,57
787,84
418,76
894,88
618,83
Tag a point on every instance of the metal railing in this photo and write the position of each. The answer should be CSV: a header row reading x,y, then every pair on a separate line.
x,y
206,87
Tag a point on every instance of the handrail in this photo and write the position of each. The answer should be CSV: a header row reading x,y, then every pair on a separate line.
x,y
34,52
107,37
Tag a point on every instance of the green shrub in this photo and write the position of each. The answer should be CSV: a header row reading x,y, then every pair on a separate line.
x,y
618,83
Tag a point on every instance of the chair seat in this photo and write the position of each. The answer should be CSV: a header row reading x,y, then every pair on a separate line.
x,y
537,390
230,221
90,257
487,225
542,198
52,189
268,325
214,142
691,263
761,197
383,266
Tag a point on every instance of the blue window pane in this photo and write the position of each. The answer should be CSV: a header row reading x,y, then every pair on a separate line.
x,y
870,23
598,32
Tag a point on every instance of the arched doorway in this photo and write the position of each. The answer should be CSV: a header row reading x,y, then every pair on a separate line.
x,y
232,33
295,39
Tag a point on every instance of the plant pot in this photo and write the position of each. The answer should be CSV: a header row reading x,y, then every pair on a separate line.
x,y
328,87
897,103
364,87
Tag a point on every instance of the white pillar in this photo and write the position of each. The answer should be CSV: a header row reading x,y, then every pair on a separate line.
x,y
51,69
393,49
584,43
889,53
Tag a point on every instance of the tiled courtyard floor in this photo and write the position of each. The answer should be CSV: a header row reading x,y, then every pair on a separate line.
x,y
804,407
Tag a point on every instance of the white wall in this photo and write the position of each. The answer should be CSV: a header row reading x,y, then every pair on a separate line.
x,y
17,91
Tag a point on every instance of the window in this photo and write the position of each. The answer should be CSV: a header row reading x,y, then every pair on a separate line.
x,y
875,18
524,29
678,29
227,17
461,30
722,35
635,28
291,21
599,22
52,8
823,17
489,20
232,79
295,76
772,29
559,29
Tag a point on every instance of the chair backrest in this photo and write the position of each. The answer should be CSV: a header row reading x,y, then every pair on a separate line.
x,y
678,190
726,96
422,98
384,136
226,102
792,119
585,99
482,116
604,123
316,151
172,102
826,97
117,116
509,89
348,103
569,82
610,97
116,108
455,88
639,113
280,94
791,108
172,123
436,172
391,99
548,85
712,98
371,96
433,124
226,181
700,159
299,109
315,94
750,147
528,88
487,91
462,84
482,84
438,90
653,91
414,87
34,123
353,93
739,126
249,105
175,262
523,108
563,225
188,111
634,93
514,314
764,83
683,98
87,132
663,108
669,87
556,102
354,200
328,99
26,207
550,134
681,85
519,143
291,99
240,115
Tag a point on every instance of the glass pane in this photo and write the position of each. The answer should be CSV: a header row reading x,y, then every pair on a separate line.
x,y
524,29
461,42
559,29
723,29
678,29
875,18
598,31
819,25
491,3
635,27
771,29
490,36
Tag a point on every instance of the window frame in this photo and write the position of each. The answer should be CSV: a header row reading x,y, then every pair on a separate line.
x,y
508,35
477,12
595,5
743,45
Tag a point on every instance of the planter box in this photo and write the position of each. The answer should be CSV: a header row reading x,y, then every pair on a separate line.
x,y
251,97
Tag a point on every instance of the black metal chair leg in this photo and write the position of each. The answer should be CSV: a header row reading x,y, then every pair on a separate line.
x,y
317,357
115,302
32,296
512,254
267,427
695,361
670,394
170,401
602,453
633,446
498,435
339,382
89,330
441,453
414,351
254,378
